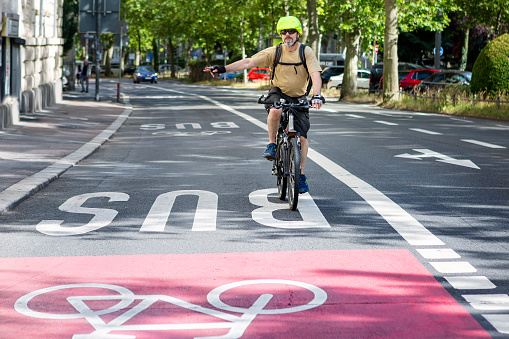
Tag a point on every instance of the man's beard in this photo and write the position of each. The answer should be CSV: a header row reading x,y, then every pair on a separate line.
x,y
289,44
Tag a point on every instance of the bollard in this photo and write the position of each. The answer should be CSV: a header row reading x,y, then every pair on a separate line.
x,y
498,102
433,100
475,99
118,92
454,99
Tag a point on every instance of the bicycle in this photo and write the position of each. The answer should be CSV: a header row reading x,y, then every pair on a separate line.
x,y
286,164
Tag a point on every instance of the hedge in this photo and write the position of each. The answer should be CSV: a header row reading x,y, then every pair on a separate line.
x,y
490,73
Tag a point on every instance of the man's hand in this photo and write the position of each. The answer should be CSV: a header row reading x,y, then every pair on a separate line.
x,y
317,101
215,69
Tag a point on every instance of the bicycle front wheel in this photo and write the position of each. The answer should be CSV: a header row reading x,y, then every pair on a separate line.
x,y
282,181
294,174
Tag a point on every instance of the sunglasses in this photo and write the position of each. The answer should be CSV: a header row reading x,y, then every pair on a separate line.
x,y
289,31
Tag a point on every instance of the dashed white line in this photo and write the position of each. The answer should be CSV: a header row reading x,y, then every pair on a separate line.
x,y
425,131
499,321
488,302
386,123
451,267
470,283
355,116
481,143
438,253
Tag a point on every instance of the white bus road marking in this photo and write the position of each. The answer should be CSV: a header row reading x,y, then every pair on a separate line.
x,y
407,226
425,131
311,215
481,143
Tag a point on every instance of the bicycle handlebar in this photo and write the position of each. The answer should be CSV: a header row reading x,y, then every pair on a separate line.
x,y
283,103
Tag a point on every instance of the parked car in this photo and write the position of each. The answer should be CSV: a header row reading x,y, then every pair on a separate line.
x,y
329,72
129,69
362,80
444,79
413,78
259,74
145,73
377,72
230,75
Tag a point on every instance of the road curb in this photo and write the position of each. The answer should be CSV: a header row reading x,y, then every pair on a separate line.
x,y
16,193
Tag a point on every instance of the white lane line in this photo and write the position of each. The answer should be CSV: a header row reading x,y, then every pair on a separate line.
x,y
470,283
425,131
451,267
488,302
355,116
438,253
406,225
481,143
386,123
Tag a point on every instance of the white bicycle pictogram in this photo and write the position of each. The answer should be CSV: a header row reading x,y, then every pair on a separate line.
x,y
236,324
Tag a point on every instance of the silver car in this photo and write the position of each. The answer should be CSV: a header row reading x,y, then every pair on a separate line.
x,y
362,80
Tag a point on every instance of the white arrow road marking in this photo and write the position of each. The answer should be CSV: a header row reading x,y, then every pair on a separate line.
x,y
426,153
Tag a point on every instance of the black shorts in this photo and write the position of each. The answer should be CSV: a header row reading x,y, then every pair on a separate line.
x,y
301,122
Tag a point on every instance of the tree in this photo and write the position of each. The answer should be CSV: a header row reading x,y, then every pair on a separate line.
x,y
355,18
391,79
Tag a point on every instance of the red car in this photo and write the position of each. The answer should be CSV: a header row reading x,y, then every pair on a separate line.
x,y
415,77
259,74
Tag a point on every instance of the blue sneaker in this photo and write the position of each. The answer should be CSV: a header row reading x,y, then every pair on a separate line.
x,y
303,184
270,152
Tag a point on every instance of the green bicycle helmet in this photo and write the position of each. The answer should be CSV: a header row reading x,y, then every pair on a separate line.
x,y
289,22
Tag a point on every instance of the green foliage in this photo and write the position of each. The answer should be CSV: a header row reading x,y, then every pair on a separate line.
x,y
491,69
70,23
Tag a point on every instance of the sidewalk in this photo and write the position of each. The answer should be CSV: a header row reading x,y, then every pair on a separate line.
x,y
39,150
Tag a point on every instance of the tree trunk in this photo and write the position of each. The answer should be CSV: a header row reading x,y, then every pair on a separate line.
x,y
172,58
390,77
107,60
349,86
464,51
314,32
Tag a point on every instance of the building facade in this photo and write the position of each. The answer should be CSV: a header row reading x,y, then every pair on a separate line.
x,y
30,57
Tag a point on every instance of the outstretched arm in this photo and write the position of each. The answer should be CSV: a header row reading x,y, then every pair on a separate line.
x,y
236,66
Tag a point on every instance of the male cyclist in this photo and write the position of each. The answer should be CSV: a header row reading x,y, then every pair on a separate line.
x,y
289,81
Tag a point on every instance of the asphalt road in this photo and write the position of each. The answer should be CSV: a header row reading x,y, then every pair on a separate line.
x,y
413,200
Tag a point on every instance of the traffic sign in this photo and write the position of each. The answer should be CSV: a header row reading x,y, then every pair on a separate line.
x,y
441,51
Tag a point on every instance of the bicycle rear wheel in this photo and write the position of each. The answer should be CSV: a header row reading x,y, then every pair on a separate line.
x,y
294,173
